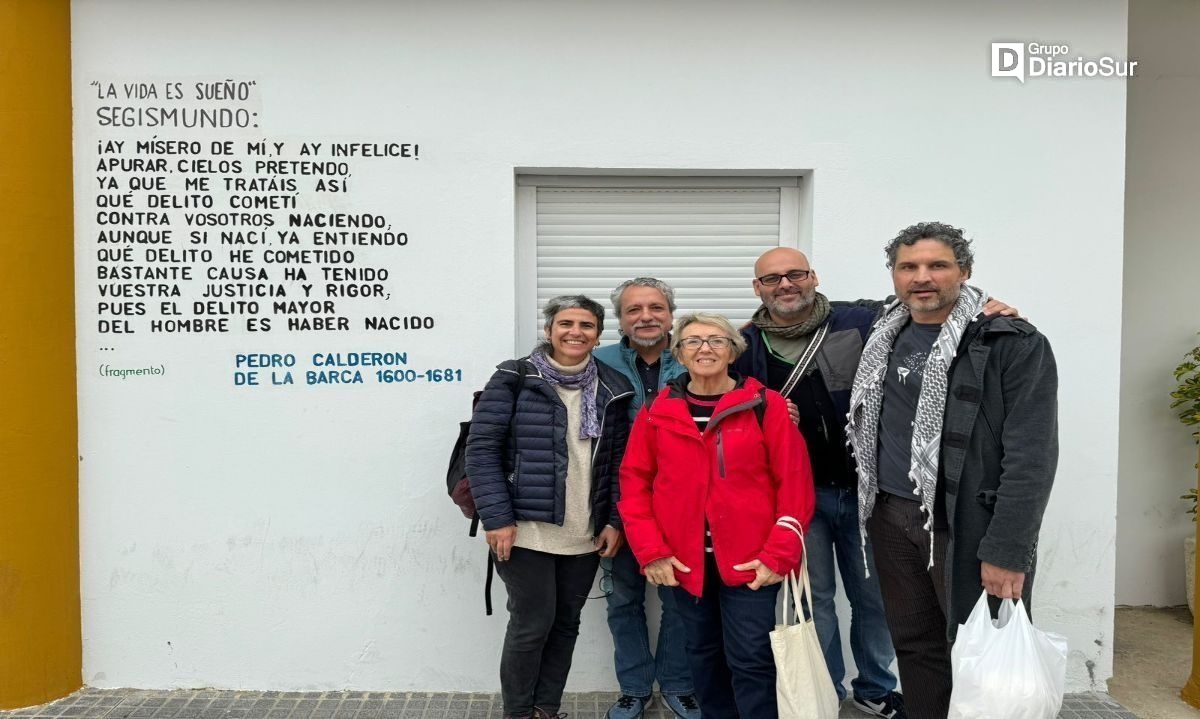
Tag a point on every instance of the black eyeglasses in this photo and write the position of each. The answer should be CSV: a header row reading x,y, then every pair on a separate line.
x,y
694,343
606,580
794,276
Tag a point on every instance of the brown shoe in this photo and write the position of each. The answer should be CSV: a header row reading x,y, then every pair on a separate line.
x,y
540,713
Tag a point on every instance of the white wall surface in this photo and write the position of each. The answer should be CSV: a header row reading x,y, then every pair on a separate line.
x,y
1161,312
299,538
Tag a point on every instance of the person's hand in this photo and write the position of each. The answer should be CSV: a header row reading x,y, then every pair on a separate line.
x,y
763,576
661,572
793,411
1000,582
609,541
501,541
996,307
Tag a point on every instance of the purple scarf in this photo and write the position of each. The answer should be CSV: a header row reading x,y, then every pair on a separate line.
x,y
589,426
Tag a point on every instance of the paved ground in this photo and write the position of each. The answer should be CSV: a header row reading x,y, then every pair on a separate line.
x,y
1152,657
211,704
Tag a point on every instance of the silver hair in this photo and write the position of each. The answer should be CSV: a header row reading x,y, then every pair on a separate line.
x,y
651,282
712,319
948,235
554,305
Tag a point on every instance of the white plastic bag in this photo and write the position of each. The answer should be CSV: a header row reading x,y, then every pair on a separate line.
x,y
1007,668
803,688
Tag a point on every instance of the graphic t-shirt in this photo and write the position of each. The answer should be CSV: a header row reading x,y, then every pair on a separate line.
x,y
901,390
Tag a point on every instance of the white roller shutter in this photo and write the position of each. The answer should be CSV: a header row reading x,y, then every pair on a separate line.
x,y
702,240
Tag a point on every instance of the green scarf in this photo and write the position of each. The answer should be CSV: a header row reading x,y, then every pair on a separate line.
x,y
788,342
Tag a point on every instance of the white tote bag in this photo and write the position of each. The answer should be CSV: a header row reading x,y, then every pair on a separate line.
x,y
802,684
1007,668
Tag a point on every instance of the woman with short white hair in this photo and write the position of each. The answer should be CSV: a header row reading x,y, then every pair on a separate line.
x,y
716,488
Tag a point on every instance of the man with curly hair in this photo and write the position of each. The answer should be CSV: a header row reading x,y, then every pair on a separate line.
x,y
953,420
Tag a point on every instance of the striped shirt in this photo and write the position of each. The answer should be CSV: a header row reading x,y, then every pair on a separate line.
x,y
701,408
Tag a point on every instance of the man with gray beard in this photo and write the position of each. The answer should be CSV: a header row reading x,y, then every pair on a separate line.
x,y
644,307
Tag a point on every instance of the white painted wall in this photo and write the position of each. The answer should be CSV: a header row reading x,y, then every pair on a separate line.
x,y
1161,314
300,539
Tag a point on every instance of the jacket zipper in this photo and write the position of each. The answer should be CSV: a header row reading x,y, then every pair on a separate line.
x,y
748,404
596,444
720,455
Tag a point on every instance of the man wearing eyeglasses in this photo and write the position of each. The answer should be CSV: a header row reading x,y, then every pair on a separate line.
x,y
644,307
808,349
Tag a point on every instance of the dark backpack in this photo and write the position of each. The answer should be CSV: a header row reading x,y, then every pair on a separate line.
x,y
458,485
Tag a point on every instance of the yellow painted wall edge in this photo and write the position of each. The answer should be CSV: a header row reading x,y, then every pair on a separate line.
x,y
40,645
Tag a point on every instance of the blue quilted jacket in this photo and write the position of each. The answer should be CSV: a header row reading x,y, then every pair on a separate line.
x,y
517,448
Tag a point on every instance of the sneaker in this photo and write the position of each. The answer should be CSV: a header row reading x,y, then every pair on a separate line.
x,y
539,713
889,706
629,707
683,705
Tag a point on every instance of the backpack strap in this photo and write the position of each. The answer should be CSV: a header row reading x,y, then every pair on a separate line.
x,y
487,584
491,561
760,409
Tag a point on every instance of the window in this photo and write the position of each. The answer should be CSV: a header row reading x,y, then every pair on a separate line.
x,y
587,234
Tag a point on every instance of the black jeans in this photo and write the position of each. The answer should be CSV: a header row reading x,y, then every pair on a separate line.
x,y
546,593
914,599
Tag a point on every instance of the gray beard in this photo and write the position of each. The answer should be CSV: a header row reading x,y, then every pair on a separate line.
x,y
777,311
642,342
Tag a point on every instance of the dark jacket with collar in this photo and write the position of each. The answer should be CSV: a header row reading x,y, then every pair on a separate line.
x,y
823,395
517,448
999,455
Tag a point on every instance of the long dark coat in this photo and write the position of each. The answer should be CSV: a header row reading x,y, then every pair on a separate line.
x,y
999,455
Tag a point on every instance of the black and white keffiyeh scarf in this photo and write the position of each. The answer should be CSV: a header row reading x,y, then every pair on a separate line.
x,y
866,401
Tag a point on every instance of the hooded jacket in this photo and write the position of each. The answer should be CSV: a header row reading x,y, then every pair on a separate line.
x,y
747,481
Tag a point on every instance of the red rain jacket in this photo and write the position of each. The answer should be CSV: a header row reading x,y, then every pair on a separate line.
x,y
748,481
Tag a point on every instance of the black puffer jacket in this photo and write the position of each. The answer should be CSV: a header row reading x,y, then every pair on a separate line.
x,y
517,449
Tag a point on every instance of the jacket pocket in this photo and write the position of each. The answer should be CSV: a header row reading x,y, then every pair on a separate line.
x,y
512,477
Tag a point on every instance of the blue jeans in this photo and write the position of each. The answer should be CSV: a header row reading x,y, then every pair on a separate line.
x,y
729,647
637,668
834,528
